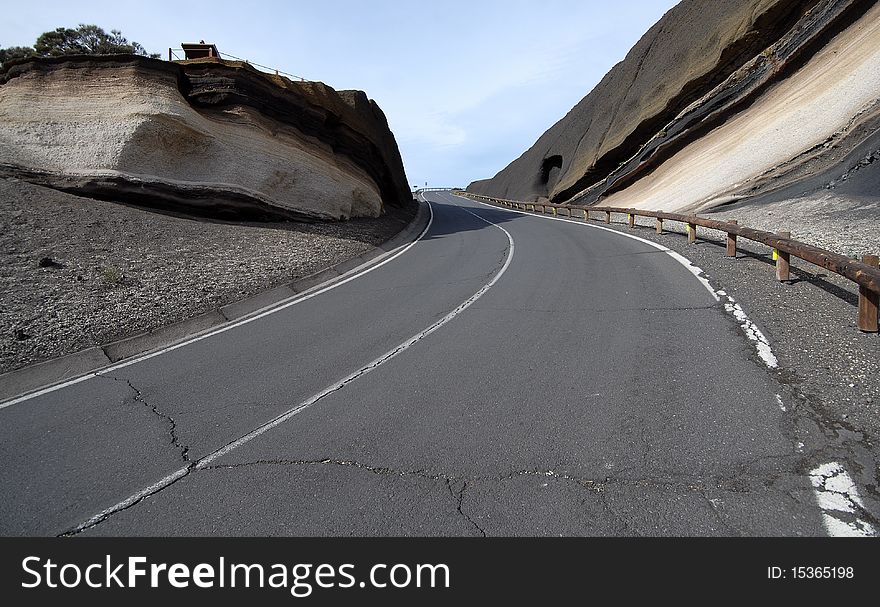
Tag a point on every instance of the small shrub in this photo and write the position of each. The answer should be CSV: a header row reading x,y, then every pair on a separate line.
x,y
111,275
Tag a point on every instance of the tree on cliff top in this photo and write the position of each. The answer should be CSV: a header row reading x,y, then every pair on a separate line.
x,y
84,40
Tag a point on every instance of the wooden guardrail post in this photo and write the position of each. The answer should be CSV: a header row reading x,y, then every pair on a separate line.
x,y
731,242
868,300
632,220
607,216
783,261
658,225
692,233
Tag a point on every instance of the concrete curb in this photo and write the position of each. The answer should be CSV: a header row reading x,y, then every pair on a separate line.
x,y
34,377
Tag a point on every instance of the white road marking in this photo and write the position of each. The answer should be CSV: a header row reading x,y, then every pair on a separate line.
x,y
781,403
762,344
373,365
839,499
277,421
296,299
687,263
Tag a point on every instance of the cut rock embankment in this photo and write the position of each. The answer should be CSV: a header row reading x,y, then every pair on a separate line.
x,y
719,103
208,136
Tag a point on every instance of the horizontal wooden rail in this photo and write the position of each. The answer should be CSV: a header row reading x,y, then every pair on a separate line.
x,y
864,273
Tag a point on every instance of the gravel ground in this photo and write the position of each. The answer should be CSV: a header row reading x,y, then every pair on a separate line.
x,y
847,226
77,272
810,321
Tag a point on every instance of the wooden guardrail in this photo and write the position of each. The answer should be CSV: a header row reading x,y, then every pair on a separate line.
x,y
865,273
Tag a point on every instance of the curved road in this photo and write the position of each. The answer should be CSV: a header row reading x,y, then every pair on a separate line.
x,y
506,375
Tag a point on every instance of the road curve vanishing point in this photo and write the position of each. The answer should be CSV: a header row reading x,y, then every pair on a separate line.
x,y
587,385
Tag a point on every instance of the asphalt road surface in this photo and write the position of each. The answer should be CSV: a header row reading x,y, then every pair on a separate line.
x,y
505,375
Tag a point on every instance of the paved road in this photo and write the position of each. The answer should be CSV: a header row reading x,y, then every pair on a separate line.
x,y
506,375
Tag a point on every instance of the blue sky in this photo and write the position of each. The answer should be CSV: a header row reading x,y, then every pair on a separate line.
x,y
467,85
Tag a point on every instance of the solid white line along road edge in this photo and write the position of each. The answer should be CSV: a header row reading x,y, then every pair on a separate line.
x,y
277,421
258,314
840,502
762,344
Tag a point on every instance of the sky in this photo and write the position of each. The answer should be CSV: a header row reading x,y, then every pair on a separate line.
x,y
467,86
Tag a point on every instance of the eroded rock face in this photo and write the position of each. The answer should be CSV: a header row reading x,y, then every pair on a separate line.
x,y
212,136
718,100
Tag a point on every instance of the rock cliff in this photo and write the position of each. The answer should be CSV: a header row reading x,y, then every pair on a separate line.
x,y
720,101
214,137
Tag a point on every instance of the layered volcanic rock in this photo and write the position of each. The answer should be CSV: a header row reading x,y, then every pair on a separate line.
x,y
719,101
210,136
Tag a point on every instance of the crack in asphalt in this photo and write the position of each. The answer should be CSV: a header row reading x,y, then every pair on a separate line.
x,y
690,482
858,511
172,423
131,502
378,470
459,499
694,484
153,489
447,480
852,508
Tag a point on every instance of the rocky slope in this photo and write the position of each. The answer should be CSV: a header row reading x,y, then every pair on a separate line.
x,y
77,272
210,136
719,102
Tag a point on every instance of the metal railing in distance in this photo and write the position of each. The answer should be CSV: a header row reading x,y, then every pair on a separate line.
x,y
865,273
177,54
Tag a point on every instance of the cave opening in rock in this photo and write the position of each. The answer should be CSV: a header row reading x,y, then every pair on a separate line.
x,y
550,163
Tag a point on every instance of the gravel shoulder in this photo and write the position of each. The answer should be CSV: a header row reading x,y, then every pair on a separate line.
x,y
77,272
843,224
810,320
